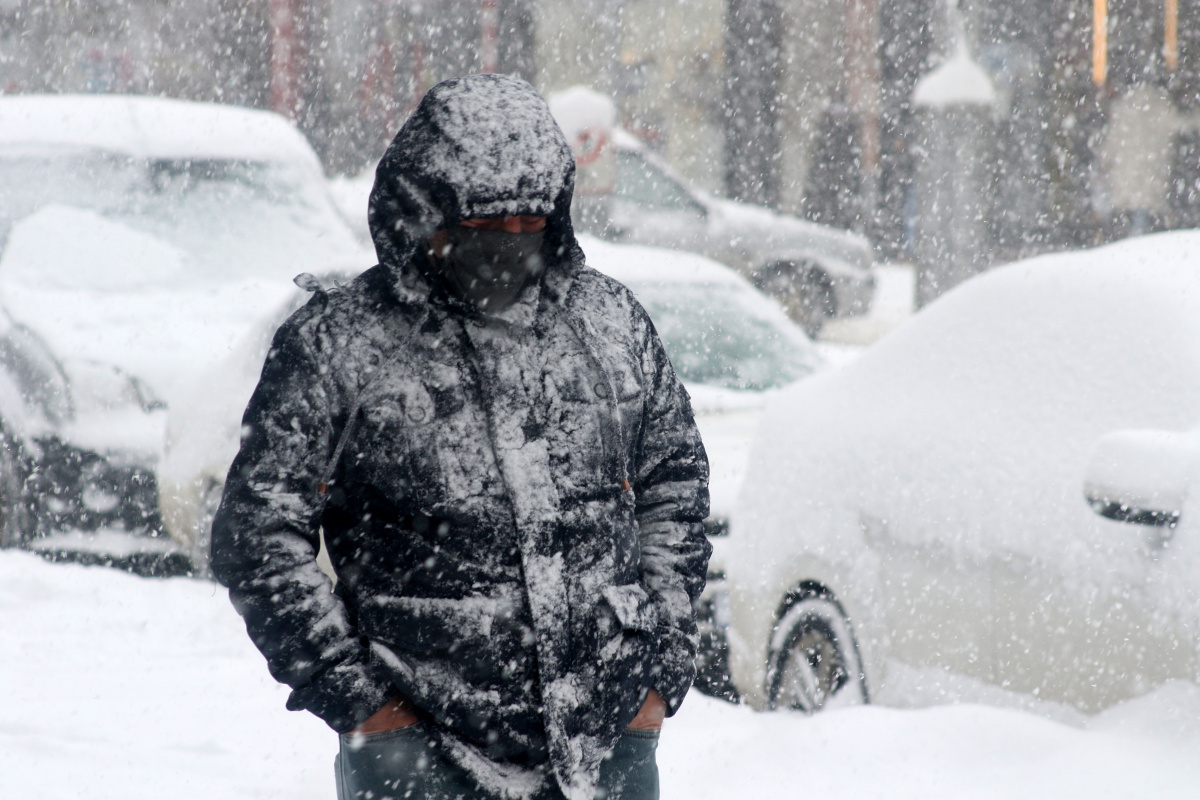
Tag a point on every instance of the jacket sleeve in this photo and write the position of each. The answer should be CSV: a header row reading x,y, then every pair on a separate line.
x,y
671,486
265,541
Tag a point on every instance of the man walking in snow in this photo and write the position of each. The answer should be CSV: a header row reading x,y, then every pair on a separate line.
x,y
508,477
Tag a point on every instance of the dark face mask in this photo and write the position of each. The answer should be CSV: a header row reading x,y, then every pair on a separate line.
x,y
488,269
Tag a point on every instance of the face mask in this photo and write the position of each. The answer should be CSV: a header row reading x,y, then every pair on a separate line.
x,y
488,269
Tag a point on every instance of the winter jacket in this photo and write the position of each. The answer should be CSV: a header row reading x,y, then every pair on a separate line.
x,y
513,515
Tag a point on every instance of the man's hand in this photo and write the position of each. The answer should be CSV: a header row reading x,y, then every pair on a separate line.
x,y
396,713
652,713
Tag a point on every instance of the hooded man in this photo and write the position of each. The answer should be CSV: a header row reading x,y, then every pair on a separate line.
x,y
508,478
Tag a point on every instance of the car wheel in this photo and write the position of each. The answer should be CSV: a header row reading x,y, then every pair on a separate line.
x,y
201,554
814,662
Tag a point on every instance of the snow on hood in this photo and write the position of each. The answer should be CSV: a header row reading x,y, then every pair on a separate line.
x,y
116,295
957,81
971,425
476,147
99,255
150,127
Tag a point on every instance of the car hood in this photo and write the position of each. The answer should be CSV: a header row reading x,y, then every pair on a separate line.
x,y
115,294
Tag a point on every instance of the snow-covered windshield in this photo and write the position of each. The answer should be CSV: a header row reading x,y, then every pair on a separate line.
x,y
232,217
719,335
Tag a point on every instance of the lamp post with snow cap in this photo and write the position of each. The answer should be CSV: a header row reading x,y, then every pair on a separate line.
x,y
954,107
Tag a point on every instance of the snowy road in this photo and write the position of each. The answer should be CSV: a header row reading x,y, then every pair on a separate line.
x,y
120,687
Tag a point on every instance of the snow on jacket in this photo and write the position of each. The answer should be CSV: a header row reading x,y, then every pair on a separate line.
x,y
514,519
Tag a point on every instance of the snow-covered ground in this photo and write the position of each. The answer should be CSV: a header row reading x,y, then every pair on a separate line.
x,y
121,687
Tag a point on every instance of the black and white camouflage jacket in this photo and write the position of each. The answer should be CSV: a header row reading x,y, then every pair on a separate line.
x,y
514,518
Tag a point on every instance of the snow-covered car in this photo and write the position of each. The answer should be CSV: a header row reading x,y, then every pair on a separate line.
x,y
149,234
68,462
628,194
922,507
731,345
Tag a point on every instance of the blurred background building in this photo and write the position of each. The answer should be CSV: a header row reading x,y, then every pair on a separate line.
x,y
803,105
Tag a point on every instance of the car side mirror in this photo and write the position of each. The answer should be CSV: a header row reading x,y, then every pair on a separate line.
x,y
1141,476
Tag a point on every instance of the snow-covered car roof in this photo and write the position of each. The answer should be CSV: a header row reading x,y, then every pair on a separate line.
x,y
149,127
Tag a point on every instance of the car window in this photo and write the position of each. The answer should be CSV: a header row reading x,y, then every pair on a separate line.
x,y
642,183
722,335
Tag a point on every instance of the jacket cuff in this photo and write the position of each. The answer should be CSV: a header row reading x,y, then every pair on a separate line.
x,y
344,695
675,668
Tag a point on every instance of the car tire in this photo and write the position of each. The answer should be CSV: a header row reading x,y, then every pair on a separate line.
x,y
814,662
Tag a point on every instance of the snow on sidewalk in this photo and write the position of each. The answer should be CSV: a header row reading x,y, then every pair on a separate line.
x,y
113,686
963,751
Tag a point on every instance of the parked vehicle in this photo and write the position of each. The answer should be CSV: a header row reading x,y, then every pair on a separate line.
x,y
922,506
626,193
65,467
148,234
731,346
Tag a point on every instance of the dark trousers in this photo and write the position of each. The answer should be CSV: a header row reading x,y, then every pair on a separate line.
x,y
406,764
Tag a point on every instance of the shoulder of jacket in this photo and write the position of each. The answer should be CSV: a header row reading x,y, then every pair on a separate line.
x,y
592,285
337,313
593,291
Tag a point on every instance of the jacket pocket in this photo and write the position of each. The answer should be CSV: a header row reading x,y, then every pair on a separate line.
x,y
633,607
429,625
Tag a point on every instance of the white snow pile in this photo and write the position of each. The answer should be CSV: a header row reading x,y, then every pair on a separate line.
x,y
99,254
124,297
121,688
105,289
957,81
